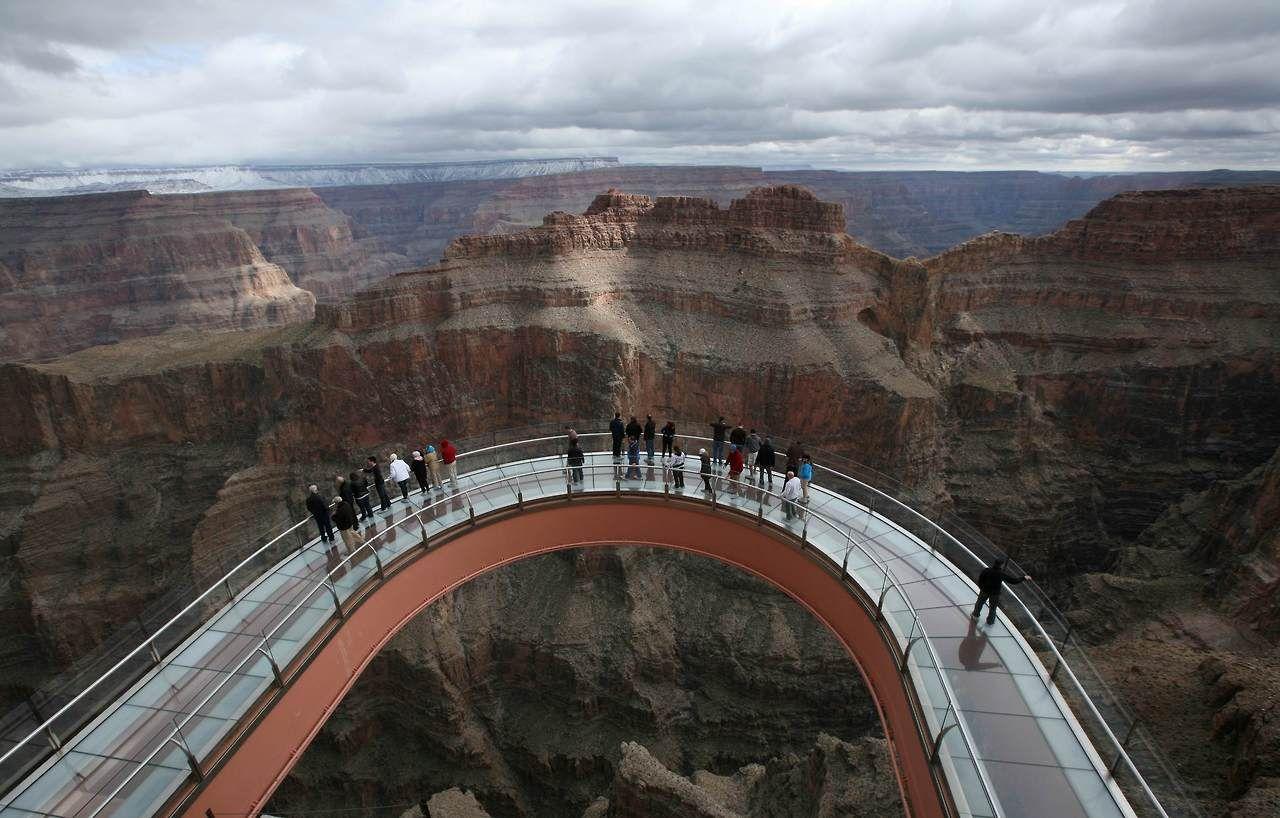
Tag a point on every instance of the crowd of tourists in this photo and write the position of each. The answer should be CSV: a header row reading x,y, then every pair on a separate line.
x,y
430,467
735,451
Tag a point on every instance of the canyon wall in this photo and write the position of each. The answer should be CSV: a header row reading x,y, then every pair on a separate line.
x,y
81,271
1062,393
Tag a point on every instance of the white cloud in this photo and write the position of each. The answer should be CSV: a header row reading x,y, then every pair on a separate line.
x,y
1104,84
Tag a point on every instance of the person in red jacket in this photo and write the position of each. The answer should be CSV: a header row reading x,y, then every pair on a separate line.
x,y
449,456
736,464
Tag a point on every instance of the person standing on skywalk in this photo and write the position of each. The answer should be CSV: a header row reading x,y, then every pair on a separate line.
x,y
320,511
576,457
990,583
717,440
372,469
617,428
668,437
344,517
360,488
419,468
433,463
650,431
790,495
449,457
400,474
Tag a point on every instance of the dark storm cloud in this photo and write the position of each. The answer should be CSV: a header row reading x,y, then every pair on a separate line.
x,y
989,83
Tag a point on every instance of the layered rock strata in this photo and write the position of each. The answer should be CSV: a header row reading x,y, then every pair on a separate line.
x,y
81,271
1063,393
298,231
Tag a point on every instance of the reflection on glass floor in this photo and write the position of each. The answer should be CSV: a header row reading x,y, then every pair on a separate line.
x,y
1031,759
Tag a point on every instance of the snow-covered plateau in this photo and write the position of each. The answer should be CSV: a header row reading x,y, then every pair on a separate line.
x,y
265,177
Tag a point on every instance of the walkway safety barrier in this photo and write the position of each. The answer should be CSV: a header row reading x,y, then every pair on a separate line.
x,y
516,466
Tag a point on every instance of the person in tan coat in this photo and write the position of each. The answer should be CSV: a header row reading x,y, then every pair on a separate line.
x,y
433,462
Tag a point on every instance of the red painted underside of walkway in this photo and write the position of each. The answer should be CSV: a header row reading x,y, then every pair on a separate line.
x,y
263,756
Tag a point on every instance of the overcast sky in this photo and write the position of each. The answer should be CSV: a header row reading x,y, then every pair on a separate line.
x,y
1109,85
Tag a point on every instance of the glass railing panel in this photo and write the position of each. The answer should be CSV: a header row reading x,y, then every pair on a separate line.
x,y
204,732
964,776
72,781
151,787
112,735
299,628
352,574
238,689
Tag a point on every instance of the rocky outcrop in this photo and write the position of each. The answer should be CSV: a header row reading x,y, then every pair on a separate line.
x,y
81,271
298,231
835,778
896,212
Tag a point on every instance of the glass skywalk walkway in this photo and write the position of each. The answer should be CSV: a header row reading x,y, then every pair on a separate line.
x,y
1006,741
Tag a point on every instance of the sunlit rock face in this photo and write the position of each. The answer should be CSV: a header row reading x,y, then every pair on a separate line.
x,y
1063,393
81,271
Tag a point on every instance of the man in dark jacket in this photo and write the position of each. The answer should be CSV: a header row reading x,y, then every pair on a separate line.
x,y
717,440
705,470
765,459
738,436
345,491
320,510
344,517
650,431
617,428
633,428
576,458
990,583
419,468
360,488
372,469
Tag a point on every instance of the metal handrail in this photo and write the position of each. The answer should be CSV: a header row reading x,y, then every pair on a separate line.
x,y
176,736
1119,747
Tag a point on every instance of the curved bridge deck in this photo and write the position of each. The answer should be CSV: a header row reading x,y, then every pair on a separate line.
x,y
1007,743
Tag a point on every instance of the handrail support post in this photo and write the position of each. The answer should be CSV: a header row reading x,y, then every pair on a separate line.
x,y
937,742
180,740
1124,745
265,650
377,562
337,602
906,653
884,591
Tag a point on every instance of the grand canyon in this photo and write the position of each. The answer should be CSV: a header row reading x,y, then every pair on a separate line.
x,y
1085,370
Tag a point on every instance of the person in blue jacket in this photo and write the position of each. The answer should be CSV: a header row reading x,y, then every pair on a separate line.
x,y
806,475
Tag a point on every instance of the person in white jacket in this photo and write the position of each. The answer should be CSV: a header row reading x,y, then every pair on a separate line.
x,y
400,474
791,491
677,467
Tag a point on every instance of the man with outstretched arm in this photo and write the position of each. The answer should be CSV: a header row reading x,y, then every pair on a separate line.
x,y
990,582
